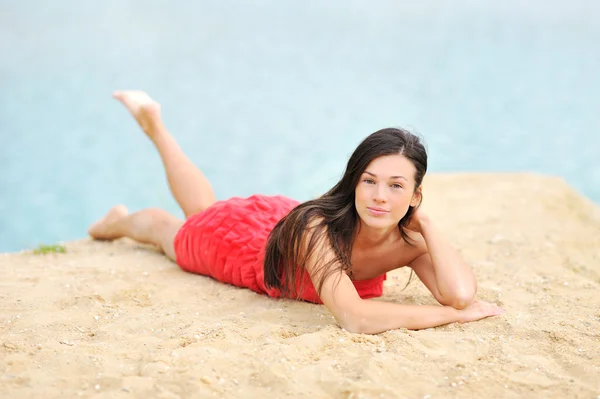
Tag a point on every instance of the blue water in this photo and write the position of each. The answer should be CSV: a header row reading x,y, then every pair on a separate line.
x,y
272,97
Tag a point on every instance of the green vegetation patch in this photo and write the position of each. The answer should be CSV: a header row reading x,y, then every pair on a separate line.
x,y
50,249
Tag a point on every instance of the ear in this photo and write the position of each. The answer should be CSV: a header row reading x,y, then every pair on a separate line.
x,y
417,197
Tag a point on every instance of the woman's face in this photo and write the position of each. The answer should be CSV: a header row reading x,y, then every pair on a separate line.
x,y
385,191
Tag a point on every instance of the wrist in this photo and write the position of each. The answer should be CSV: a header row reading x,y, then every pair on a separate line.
x,y
455,314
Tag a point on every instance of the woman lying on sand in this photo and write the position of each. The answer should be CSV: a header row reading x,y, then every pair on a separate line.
x,y
334,250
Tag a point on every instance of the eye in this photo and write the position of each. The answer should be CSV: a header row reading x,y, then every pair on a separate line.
x,y
368,181
396,186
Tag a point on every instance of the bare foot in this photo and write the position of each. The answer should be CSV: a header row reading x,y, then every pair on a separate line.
x,y
144,109
103,228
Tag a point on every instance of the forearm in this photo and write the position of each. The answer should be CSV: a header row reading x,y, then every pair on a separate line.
x,y
453,276
372,317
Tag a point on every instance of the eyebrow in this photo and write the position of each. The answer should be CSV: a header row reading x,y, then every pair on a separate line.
x,y
391,177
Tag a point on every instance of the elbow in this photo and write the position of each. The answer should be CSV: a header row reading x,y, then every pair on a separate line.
x,y
352,328
359,327
354,323
460,297
462,300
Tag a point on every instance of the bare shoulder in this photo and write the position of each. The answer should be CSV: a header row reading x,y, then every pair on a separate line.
x,y
314,222
314,240
312,228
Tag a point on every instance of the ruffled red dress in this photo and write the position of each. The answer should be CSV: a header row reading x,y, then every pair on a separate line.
x,y
227,241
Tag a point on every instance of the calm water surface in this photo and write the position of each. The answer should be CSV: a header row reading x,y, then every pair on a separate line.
x,y
272,97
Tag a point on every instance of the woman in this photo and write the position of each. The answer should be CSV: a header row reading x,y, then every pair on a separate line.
x,y
335,249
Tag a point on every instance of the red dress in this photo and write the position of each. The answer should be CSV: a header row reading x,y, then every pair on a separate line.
x,y
227,241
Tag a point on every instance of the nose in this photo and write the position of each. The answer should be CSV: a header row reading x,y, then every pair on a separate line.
x,y
379,193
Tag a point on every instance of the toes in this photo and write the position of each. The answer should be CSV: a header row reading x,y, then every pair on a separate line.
x,y
121,210
122,97
94,229
119,94
132,98
102,228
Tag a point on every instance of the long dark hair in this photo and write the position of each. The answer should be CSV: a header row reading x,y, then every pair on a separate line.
x,y
335,210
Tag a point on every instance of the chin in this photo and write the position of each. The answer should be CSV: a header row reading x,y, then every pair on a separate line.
x,y
377,223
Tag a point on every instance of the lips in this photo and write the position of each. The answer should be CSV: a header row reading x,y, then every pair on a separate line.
x,y
377,211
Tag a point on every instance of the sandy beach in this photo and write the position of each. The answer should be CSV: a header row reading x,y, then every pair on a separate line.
x,y
119,320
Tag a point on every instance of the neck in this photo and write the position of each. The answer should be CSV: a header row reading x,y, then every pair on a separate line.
x,y
370,236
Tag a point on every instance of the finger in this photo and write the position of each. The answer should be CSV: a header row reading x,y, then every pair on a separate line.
x,y
497,311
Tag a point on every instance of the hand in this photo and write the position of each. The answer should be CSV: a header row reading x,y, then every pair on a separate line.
x,y
478,310
415,222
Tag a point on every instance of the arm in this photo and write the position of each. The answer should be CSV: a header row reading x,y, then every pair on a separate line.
x,y
372,317
442,270
367,316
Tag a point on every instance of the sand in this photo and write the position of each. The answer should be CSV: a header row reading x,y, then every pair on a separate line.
x,y
118,320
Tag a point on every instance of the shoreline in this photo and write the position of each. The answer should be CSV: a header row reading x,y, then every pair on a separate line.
x,y
476,177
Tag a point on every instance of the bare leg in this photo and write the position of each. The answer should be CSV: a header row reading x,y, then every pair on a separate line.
x,y
150,226
191,189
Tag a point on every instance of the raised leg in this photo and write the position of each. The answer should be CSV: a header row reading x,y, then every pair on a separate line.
x,y
149,226
191,189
